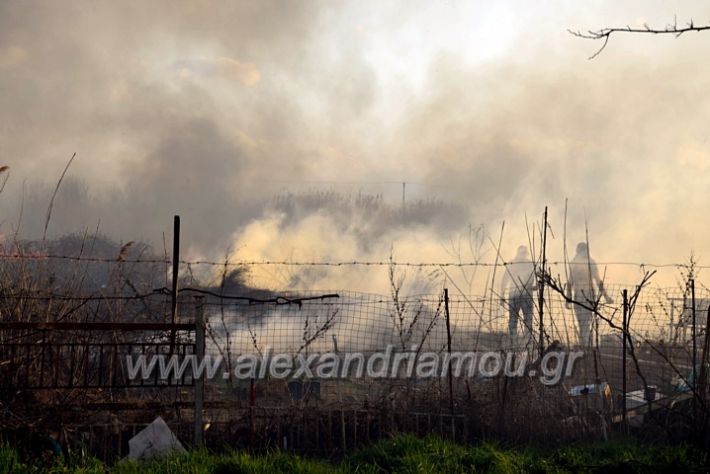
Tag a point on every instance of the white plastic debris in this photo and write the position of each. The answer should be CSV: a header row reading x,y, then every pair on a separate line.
x,y
155,440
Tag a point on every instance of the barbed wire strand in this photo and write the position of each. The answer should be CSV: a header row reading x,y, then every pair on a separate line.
x,y
240,263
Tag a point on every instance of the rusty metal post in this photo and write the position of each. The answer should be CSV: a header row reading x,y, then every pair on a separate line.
x,y
695,357
703,375
252,414
625,330
541,286
174,288
199,381
451,380
343,439
693,333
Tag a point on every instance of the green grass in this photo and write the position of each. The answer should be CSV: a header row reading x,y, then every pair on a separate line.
x,y
405,454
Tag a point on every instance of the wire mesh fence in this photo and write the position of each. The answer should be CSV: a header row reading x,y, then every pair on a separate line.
x,y
366,322
666,353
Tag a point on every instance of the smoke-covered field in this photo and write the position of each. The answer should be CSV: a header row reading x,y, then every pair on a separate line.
x,y
426,175
272,129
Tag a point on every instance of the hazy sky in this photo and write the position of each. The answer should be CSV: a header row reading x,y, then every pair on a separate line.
x,y
205,108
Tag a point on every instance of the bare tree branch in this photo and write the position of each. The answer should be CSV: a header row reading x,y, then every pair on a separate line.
x,y
605,33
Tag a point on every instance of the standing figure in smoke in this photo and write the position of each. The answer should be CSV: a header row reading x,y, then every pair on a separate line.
x,y
584,286
519,281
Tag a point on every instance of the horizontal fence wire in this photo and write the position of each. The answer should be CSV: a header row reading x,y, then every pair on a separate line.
x,y
342,263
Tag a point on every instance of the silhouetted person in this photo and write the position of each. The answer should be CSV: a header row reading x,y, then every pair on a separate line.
x,y
519,281
584,286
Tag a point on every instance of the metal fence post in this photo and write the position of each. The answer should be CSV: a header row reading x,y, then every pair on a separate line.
x,y
451,380
541,286
174,286
625,331
692,331
695,356
199,381
703,375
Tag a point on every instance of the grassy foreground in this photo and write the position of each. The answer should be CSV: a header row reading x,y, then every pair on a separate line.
x,y
406,454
